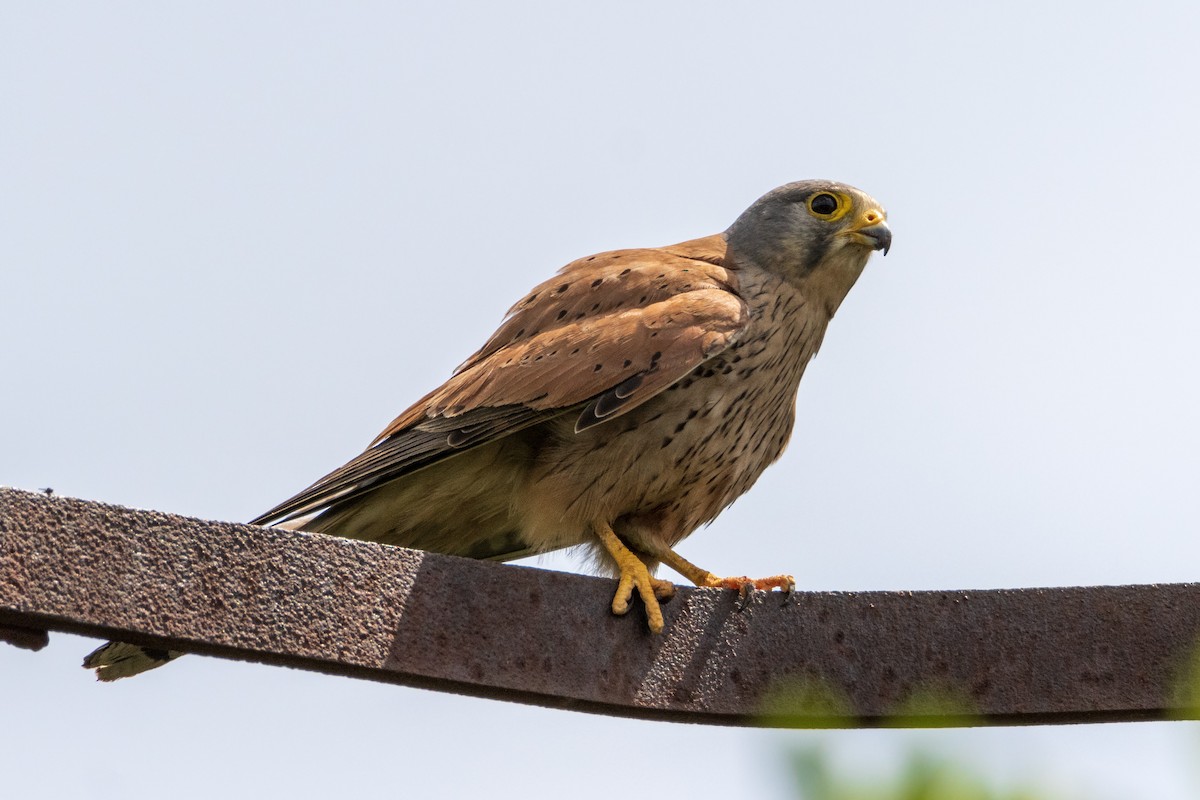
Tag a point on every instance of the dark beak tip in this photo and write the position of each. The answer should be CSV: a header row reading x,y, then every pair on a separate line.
x,y
882,236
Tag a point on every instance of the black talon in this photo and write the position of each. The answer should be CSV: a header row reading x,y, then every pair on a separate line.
x,y
744,592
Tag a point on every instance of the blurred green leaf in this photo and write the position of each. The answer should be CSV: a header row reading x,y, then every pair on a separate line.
x,y
1185,693
934,706
806,703
924,777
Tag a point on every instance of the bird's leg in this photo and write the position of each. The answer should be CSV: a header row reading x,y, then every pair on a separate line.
x,y
634,575
702,577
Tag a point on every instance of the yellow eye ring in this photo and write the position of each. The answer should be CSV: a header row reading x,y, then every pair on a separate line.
x,y
828,206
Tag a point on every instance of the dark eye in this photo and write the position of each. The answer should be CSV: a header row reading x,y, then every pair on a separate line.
x,y
823,204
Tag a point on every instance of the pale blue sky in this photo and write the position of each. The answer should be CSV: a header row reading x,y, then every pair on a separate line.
x,y
238,238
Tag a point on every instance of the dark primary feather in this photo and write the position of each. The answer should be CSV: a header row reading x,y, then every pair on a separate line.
x,y
608,403
403,453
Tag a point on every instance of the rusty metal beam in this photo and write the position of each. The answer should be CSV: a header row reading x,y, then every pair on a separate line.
x,y
401,616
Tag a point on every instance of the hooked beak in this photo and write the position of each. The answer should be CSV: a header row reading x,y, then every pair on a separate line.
x,y
877,236
873,232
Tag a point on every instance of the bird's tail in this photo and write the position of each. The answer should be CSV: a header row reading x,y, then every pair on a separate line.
x,y
122,660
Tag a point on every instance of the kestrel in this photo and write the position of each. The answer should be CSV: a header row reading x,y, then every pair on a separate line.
x,y
622,404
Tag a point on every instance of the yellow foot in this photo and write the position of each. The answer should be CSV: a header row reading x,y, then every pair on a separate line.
x,y
702,577
744,586
785,583
634,575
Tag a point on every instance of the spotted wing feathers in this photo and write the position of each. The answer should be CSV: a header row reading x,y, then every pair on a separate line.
x,y
606,334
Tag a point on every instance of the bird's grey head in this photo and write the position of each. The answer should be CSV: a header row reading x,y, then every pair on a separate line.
x,y
806,227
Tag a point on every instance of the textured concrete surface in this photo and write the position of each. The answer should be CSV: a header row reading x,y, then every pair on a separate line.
x,y
402,616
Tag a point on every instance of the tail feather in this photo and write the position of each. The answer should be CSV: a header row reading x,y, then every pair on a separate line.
x,y
122,660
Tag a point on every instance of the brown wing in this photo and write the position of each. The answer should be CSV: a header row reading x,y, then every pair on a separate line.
x,y
606,334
